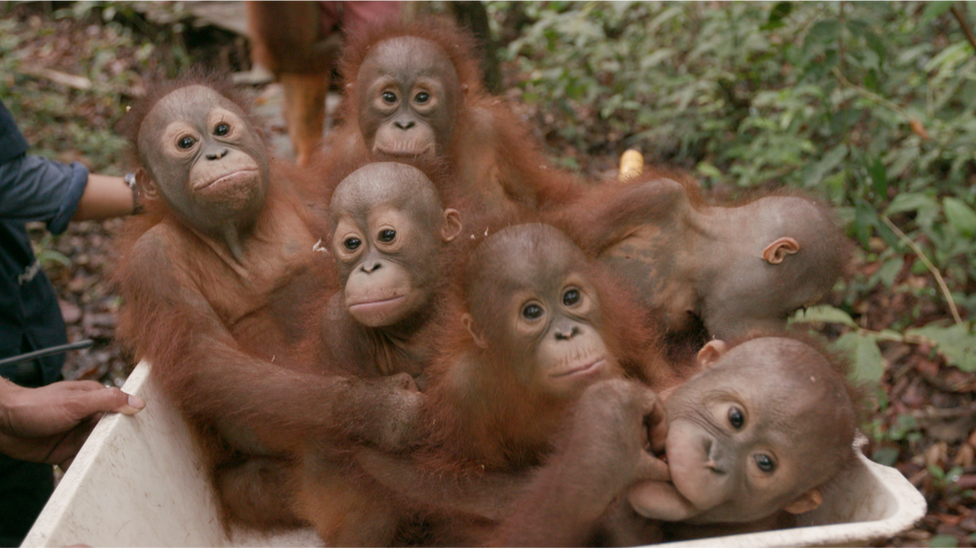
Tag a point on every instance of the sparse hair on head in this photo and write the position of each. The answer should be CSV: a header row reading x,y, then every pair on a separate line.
x,y
459,46
517,248
375,183
221,83
838,362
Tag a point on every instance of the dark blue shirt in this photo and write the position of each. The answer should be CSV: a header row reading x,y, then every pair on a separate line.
x,y
31,189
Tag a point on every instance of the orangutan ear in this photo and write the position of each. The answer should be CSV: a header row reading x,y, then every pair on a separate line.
x,y
775,253
452,225
479,339
711,352
808,501
147,187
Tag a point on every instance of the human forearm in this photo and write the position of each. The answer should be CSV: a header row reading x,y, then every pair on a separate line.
x,y
104,197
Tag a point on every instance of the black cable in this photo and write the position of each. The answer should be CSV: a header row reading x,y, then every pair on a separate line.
x,y
58,349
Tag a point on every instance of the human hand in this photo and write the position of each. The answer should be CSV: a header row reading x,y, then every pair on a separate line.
x,y
49,424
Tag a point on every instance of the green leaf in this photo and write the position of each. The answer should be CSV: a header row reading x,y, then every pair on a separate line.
x,y
823,313
828,163
655,58
957,343
960,216
907,202
864,354
49,257
879,179
943,540
708,170
887,273
779,12
885,456
865,219
931,11
823,32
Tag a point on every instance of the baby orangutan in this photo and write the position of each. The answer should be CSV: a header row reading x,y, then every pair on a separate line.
x,y
754,435
732,269
766,424
536,331
414,90
391,238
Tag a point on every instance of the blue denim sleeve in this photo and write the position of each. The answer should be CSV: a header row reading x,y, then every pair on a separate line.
x,y
33,188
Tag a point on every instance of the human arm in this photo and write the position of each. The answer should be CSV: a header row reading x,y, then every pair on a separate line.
x,y
49,424
33,188
105,197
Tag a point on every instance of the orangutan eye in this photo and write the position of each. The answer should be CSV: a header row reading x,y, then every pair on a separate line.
x,y
387,235
422,97
186,142
389,97
352,243
221,130
532,311
765,463
736,419
571,297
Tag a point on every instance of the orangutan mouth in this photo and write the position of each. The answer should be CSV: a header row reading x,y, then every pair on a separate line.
x,y
583,369
229,179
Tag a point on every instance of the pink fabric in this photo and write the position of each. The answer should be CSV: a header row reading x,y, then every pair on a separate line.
x,y
352,16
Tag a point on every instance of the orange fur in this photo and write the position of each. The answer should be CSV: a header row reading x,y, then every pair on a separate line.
x,y
492,154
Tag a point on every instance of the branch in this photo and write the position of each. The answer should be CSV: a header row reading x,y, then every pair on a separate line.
x,y
961,17
869,94
74,81
63,78
938,276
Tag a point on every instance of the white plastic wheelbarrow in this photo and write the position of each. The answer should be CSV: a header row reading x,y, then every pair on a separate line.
x,y
138,482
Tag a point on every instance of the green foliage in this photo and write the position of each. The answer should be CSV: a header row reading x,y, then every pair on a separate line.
x,y
885,456
65,122
871,105
957,343
859,346
905,426
943,540
865,355
46,254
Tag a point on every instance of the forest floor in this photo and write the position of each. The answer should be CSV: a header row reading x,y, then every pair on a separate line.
x,y
927,428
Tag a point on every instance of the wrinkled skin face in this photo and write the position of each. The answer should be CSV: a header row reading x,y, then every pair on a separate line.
x,y
203,159
746,436
409,97
546,311
387,238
